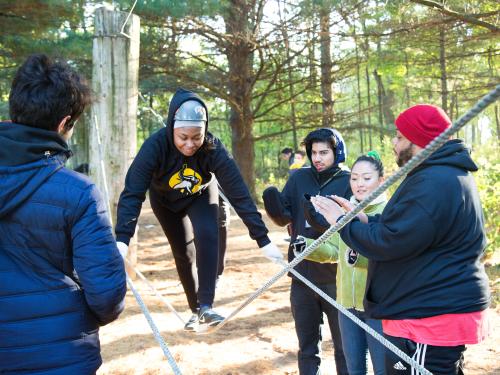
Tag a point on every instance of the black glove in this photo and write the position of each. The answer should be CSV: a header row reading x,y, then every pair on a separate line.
x,y
299,245
313,217
351,257
274,206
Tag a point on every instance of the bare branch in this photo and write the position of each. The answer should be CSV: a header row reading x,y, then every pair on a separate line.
x,y
205,62
274,78
280,102
344,129
219,90
467,18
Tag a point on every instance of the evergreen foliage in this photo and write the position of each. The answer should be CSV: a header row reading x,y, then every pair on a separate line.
x,y
258,66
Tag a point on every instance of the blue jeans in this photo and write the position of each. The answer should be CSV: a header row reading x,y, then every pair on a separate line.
x,y
356,343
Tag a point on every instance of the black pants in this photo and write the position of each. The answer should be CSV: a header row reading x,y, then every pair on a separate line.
x,y
440,360
224,220
193,238
307,310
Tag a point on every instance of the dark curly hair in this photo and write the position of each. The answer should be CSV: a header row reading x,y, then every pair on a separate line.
x,y
44,92
319,135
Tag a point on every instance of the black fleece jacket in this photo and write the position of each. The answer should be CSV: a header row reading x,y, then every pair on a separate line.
x,y
177,180
425,247
309,181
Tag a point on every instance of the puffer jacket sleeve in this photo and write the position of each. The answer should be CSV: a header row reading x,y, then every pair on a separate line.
x,y
96,259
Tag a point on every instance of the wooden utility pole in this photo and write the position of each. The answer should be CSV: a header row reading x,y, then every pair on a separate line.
x,y
113,130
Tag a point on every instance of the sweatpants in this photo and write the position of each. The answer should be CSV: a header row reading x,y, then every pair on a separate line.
x,y
194,240
439,360
307,310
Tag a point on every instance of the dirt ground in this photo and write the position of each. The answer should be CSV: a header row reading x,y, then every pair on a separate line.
x,y
259,340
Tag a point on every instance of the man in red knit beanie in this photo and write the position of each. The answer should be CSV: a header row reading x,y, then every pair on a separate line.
x,y
425,277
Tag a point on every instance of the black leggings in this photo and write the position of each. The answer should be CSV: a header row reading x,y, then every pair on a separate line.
x,y
193,235
224,220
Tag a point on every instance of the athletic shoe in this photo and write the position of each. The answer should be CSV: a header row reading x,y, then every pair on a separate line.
x,y
208,317
192,323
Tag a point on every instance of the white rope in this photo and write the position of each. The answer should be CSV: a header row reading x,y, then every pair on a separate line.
x,y
156,292
126,20
103,170
154,328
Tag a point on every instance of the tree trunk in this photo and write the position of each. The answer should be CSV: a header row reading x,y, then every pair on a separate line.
x,y
293,117
326,68
473,134
292,106
407,75
385,102
239,57
451,114
366,47
492,74
369,103
442,65
497,120
311,52
114,114
358,82
380,89
456,112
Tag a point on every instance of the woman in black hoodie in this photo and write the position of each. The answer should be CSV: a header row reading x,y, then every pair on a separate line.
x,y
177,165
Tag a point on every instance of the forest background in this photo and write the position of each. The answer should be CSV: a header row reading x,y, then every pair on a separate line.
x,y
271,71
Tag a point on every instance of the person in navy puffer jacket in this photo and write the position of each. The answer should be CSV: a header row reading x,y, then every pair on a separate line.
x,y
61,275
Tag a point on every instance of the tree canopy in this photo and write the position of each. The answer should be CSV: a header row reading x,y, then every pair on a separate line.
x,y
273,70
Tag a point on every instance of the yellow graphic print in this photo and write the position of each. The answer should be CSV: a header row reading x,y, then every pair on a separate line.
x,y
187,181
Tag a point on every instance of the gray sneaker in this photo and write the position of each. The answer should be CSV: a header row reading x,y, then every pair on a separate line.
x,y
192,323
208,317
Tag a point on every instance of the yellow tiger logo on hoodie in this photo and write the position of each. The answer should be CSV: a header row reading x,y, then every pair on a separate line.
x,y
187,181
